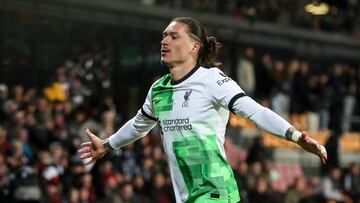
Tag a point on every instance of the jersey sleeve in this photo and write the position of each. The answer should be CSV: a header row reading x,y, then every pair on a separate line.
x,y
223,89
262,117
147,107
228,94
136,127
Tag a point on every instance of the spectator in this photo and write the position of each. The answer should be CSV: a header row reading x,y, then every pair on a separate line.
x,y
280,101
333,161
4,144
22,137
5,180
323,101
331,187
245,71
125,195
140,190
74,196
298,192
352,182
258,152
241,176
299,90
160,191
26,186
261,192
263,73
338,92
269,172
254,173
349,99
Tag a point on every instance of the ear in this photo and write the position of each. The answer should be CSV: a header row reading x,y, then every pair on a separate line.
x,y
196,47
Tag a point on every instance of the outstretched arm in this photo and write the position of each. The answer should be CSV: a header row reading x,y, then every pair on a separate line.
x,y
271,122
228,94
134,129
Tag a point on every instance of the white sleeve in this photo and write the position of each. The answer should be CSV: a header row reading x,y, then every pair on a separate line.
x,y
147,108
263,117
228,94
135,128
221,87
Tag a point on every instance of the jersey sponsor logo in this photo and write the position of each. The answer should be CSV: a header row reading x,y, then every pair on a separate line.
x,y
186,98
178,124
222,81
222,74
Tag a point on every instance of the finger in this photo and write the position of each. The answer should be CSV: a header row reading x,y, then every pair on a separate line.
x,y
322,149
323,153
85,144
92,160
89,133
322,159
84,150
85,156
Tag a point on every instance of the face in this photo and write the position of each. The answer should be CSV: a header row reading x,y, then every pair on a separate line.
x,y
177,47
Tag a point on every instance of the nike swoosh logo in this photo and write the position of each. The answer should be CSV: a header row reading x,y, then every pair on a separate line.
x,y
157,100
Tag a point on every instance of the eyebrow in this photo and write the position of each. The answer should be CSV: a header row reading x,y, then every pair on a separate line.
x,y
171,33
194,37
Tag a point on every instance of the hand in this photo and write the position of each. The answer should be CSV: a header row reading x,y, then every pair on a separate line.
x,y
311,145
93,149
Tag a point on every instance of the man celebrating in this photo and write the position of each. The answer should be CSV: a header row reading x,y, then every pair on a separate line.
x,y
191,105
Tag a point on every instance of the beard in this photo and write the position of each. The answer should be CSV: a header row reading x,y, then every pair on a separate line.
x,y
167,64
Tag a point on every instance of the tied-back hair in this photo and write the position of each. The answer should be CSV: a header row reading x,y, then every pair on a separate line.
x,y
210,47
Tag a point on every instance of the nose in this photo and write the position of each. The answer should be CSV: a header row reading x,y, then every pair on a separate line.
x,y
164,41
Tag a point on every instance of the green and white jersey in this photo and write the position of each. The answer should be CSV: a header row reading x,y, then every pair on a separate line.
x,y
192,116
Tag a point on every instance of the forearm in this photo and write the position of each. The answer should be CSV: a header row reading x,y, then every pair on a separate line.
x,y
124,136
134,129
262,117
269,121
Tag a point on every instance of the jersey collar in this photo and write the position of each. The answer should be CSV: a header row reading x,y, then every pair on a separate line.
x,y
176,82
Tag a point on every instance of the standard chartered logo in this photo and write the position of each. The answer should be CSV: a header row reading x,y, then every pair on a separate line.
x,y
177,124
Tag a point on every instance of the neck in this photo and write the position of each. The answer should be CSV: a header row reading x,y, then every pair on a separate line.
x,y
179,71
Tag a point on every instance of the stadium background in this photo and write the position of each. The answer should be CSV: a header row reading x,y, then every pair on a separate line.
x,y
71,65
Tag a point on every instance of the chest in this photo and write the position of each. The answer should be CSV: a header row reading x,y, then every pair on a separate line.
x,y
179,102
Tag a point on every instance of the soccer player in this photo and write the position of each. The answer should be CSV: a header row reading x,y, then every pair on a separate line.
x,y
191,105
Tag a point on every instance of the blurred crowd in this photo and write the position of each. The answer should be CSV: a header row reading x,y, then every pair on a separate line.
x,y
343,16
327,93
41,129
257,183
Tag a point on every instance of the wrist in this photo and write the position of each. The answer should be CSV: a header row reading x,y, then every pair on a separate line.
x,y
106,145
293,135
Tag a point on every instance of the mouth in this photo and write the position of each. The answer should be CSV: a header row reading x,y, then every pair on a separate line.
x,y
164,51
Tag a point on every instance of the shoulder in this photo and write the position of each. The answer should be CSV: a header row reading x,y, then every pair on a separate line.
x,y
162,81
217,76
212,72
215,72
